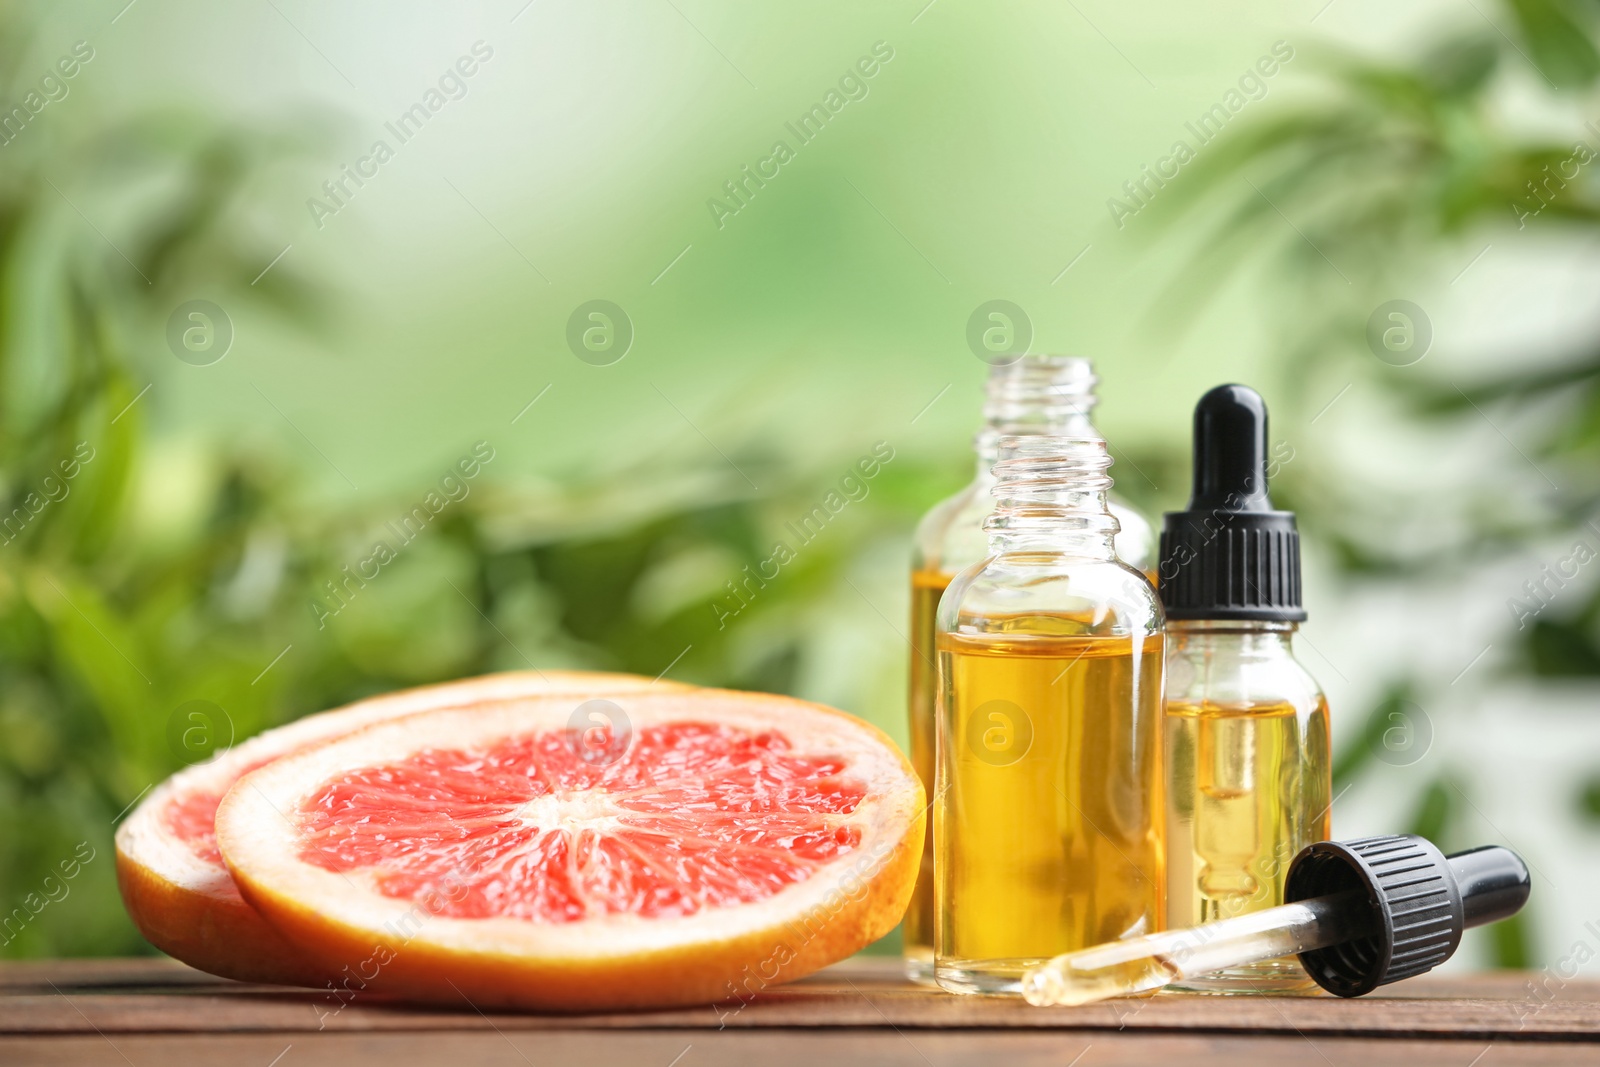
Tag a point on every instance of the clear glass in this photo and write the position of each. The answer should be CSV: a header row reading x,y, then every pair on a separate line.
x,y
1248,781
1142,964
1035,394
1048,802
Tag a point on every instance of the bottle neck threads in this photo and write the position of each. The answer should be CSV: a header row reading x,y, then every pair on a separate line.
x,y
1050,496
1036,395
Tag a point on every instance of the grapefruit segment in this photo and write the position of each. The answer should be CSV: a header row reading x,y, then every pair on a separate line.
x,y
729,842
171,874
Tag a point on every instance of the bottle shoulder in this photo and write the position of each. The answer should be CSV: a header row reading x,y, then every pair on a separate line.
x,y
1049,595
950,537
1136,538
1206,673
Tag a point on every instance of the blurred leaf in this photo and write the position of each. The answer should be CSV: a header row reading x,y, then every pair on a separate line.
x,y
1435,814
1432,398
1559,648
1588,798
1510,941
101,652
1461,66
1359,752
1558,46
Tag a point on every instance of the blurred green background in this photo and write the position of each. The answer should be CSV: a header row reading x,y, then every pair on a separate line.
x,y
365,339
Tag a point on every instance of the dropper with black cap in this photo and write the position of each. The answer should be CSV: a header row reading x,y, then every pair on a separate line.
x,y
1361,914
1230,554
1249,781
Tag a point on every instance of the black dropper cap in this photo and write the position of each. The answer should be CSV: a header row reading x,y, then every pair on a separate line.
x,y
1230,555
1418,902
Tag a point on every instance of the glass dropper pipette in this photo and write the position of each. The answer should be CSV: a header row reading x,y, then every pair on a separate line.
x,y
1139,964
1362,914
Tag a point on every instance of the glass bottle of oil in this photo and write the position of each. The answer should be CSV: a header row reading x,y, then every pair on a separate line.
x,y
1248,771
1032,395
1048,809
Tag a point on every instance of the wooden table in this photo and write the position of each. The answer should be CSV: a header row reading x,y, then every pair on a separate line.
x,y
155,1013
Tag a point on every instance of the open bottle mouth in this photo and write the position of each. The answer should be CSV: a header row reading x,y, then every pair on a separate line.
x,y
1036,390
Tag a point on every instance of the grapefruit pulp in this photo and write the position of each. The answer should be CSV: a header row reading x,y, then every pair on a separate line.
x,y
705,845
171,875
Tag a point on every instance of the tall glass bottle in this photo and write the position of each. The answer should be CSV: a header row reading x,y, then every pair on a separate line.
x,y
1048,810
1247,740
1033,395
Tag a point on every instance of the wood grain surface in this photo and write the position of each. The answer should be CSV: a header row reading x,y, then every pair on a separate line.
x,y
142,1012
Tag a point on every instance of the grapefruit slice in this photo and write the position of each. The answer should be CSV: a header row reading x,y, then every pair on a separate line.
x,y
172,878
720,843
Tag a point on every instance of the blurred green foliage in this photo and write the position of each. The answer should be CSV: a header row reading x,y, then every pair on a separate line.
x,y
1388,163
148,579
108,616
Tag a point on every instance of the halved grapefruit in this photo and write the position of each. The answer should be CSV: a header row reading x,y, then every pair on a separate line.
x,y
172,878
710,845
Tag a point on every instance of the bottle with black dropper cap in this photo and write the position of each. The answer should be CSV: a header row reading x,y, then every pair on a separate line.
x,y
1246,726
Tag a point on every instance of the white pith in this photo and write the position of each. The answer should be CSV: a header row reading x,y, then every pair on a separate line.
x,y
571,811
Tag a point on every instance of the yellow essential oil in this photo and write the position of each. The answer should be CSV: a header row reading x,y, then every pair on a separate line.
x,y
1052,810
1033,394
1247,790
926,589
1248,769
1048,800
